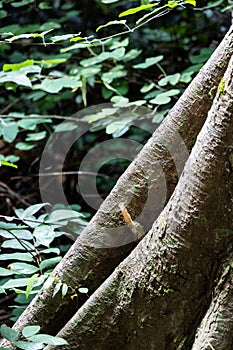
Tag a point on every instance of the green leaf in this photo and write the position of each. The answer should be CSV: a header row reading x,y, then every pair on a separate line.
x,y
47,339
64,290
191,2
50,262
21,3
17,256
33,209
51,250
131,55
44,235
136,9
53,86
5,272
23,268
15,283
147,87
15,244
172,4
117,43
36,136
172,79
63,216
83,290
2,162
19,233
193,69
89,72
48,283
17,66
24,146
10,131
44,6
65,126
31,123
110,24
25,345
57,288
172,92
53,61
2,290
149,62
30,284
120,101
16,77
30,330
160,99
63,37
8,333
108,1
159,116
11,158
118,128
116,54
186,77
202,57
108,77
3,14
164,97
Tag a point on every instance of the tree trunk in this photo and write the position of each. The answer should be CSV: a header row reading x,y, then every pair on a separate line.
x,y
150,297
89,263
158,295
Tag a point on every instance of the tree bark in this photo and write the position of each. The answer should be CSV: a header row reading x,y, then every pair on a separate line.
x,y
216,329
158,295
88,263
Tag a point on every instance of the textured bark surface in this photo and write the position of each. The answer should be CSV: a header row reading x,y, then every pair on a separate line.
x,y
140,189
216,329
158,295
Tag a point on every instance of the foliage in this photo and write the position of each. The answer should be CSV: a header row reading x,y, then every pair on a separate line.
x,y
29,338
31,255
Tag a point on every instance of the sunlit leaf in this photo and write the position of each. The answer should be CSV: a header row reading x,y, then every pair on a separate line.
x,y
16,77
17,66
30,284
136,9
110,24
64,290
2,162
83,290
191,2
172,4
